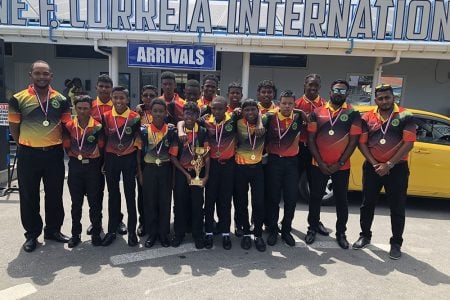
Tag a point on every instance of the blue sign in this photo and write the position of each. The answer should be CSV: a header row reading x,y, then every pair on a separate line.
x,y
170,56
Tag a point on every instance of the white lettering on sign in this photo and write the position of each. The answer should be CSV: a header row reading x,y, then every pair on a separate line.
x,y
179,56
418,20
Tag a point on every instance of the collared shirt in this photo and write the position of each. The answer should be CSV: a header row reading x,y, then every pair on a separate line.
x,y
250,148
99,108
186,152
174,108
202,102
146,118
222,136
331,141
24,109
130,139
284,133
157,142
401,128
93,140
273,108
307,105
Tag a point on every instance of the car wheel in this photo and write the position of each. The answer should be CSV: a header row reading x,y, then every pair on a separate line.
x,y
328,198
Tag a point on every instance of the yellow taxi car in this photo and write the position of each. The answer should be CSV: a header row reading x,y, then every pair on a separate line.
x,y
429,160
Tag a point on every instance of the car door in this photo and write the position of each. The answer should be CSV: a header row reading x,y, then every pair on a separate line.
x,y
430,158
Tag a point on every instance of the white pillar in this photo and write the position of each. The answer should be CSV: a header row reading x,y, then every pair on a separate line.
x,y
245,73
114,67
377,72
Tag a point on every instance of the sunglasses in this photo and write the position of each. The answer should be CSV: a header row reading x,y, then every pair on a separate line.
x,y
383,85
339,91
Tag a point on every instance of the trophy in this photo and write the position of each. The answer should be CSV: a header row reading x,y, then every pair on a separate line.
x,y
198,163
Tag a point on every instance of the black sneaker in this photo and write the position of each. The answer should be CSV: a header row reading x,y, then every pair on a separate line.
x,y
209,241
74,241
96,240
199,243
226,242
246,242
288,239
260,245
310,237
395,252
272,238
176,241
361,243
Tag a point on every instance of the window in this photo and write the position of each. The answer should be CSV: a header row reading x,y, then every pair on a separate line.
x,y
361,88
432,131
278,60
71,51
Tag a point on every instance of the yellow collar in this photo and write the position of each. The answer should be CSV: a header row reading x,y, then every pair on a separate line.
x,y
99,102
125,114
195,129
282,118
375,111
213,120
328,105
90,122
272,106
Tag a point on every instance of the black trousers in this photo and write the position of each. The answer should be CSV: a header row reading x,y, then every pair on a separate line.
x,y
219,189
84,179
244,176
305,164
32,166
157,191
140,201
395,185
282,179
114,167
188,202
340,189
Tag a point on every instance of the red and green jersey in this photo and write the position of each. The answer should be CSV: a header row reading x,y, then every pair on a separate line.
x,y
121,131
203,103
400,128
221,136
272,108
307,105
250,148
185,153
284,133
157,142
332,140
174,108
99,108
86,142
24,109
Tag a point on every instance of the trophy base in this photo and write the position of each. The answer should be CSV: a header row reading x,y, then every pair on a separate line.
x,y
196,182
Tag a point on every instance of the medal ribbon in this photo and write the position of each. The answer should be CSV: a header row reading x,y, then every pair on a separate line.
x,y
156,144
250,138
44,111
281,136
193,141
120,135
335,120
80,144
219,138
312,102
385,129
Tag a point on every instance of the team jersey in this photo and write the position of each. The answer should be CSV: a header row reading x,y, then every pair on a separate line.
x,y
284,133
174,108
86,142
157,142
121,131
99,108
308,106
332,140
399,128
250,148
273,108
221,136
185,153
40,122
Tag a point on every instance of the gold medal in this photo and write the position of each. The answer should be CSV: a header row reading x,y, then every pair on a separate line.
x,y
80,157
120,147
253,157
383,141
158,161
45,123
331,132
218,154
193,162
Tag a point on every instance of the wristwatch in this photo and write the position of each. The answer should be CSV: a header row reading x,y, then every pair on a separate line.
x,y
389,164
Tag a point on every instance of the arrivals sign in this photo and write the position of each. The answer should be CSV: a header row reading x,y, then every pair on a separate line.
x,y
419,20
171,56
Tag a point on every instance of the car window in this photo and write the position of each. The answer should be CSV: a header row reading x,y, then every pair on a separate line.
x,y
432,131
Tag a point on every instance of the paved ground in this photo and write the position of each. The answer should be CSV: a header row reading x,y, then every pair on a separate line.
x,y
323,271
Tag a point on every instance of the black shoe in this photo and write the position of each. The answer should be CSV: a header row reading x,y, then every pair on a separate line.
x,y
322,230
395,252
288,239
89,230
238,232
132,239
122,229
176,241
96,240
209,241
29,245
310,237
260,244
226,242
361,243
272,239
109,238
246,242
164,241
74,241
199,243
342,241
150,241
141,231
57,236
